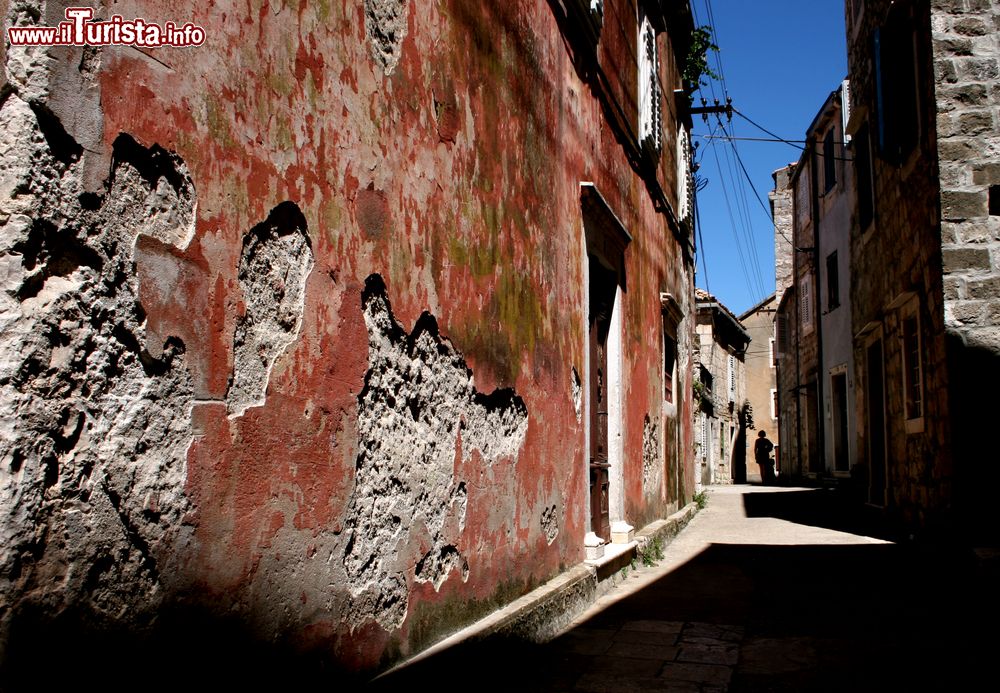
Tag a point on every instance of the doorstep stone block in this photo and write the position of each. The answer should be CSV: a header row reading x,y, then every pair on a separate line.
x,y
622,532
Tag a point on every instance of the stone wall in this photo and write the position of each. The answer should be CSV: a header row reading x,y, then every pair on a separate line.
x,y
782,211
895,263
966,49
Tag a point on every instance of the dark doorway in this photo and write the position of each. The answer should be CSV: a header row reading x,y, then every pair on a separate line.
x,y
876,424
812,430
841,457
603,283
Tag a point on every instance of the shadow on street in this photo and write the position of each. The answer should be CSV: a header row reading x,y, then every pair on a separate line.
x,y
760,618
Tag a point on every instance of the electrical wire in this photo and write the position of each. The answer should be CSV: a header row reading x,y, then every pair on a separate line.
x,y
745,225
733,225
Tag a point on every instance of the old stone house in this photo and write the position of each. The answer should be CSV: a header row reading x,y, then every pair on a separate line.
x,y
925,256
797,335
340,329
818,365
720,373
761,379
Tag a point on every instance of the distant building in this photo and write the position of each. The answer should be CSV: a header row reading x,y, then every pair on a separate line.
x,y
761,378
719,371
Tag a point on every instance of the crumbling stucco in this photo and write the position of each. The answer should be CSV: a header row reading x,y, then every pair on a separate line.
x,y
274,265
550,523
95,426
577,394
418,412
385,27
652,466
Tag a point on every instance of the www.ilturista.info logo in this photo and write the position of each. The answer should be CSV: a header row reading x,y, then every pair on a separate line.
x,y
77,30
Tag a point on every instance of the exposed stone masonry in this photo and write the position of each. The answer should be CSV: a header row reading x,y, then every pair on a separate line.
x,y
95,424
274,265
652,464
385,26
418,413
967,65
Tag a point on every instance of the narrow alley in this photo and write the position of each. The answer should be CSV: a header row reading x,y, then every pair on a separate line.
x,y
767,589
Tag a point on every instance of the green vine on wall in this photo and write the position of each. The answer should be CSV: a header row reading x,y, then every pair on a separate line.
x,y
696,64
698,388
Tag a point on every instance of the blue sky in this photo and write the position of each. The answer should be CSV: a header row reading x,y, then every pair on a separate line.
x,y
780,60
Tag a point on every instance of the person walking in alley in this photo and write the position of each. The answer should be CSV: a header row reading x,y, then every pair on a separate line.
x,y
762,448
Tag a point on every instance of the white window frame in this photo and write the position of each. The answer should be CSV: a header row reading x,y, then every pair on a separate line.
x,y
774,404
650,99
770,352
684,184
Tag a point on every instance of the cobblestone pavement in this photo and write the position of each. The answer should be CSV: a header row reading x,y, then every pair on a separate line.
x,y
767,589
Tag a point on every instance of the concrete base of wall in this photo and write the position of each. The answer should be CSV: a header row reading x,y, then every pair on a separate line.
x,y
547,611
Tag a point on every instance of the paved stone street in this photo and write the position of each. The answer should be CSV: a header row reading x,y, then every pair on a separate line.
x,y
767,589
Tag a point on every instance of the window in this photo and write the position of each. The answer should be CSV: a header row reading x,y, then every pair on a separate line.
x,y
669,361
912,368
896,85
649,87
863,176
684,183
832,282
706,386
802,208
805,302
774,404
703,433
781,333
829,162
771,353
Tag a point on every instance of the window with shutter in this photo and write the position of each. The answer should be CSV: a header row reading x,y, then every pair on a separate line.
x,y
649,88
781,331
805,302
685,184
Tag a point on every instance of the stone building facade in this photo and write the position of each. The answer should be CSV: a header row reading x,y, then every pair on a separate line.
x,y
966,53
925,256
782,203
797,334
761,379
335,332
720,370
835,208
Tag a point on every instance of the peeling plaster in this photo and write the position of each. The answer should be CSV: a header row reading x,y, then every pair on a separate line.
x,y
385,27
652,466
95,426
274,265
419,413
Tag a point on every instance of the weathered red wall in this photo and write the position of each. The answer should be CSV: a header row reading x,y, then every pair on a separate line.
x,y
456,178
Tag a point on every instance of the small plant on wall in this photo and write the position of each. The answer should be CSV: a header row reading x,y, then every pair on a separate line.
x,y
696,67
